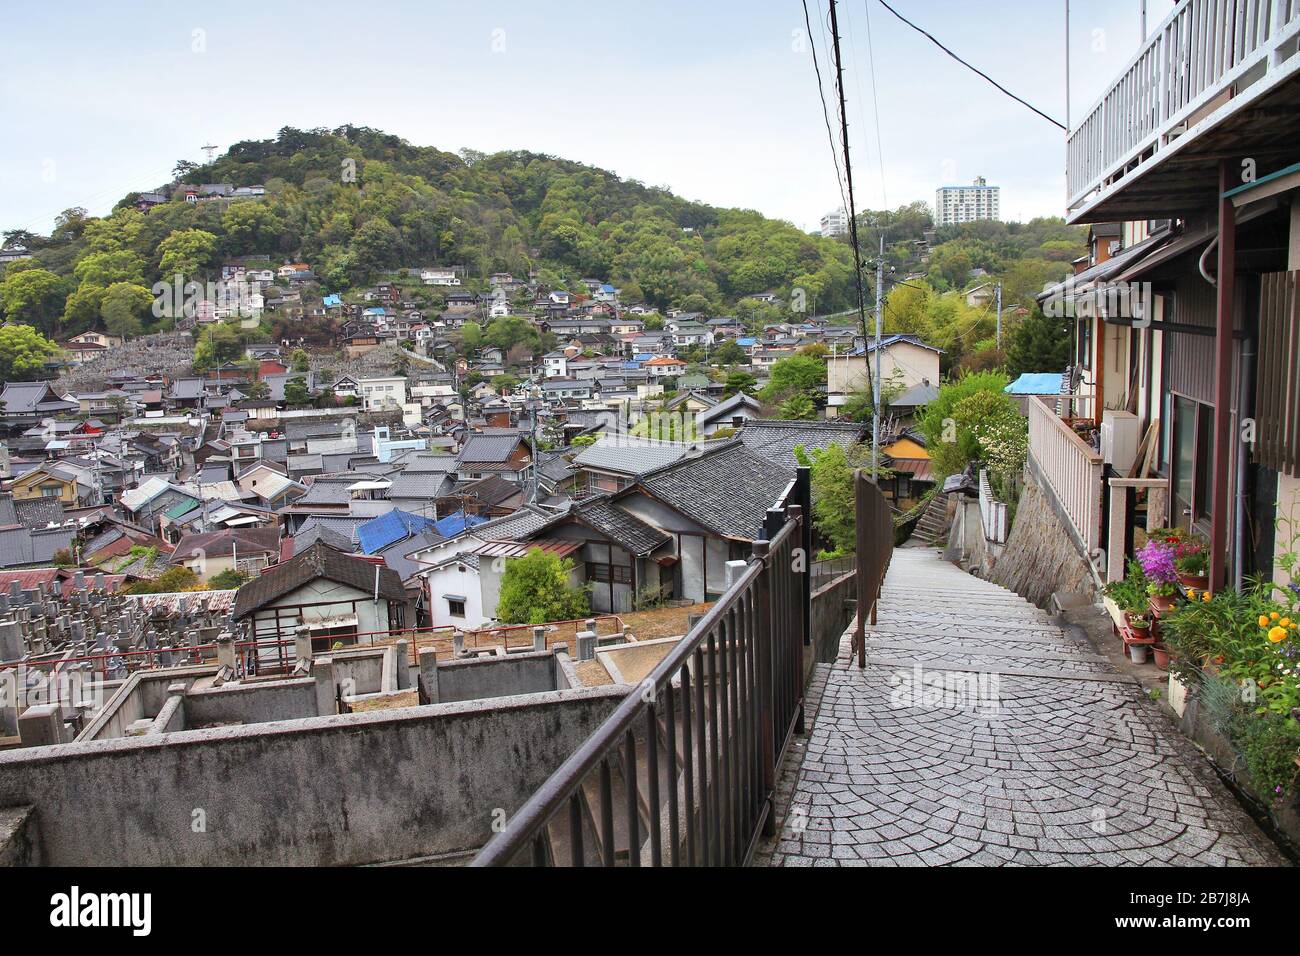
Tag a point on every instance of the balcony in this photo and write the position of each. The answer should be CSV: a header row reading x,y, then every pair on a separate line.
x,y
1216,78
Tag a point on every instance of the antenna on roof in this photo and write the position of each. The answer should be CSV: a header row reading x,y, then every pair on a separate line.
x,y
211,151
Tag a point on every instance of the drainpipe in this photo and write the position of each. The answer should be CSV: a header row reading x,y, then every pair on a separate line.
x,y
1227,267
1245,409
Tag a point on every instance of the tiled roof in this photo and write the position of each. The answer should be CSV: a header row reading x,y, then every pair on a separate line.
x,y
626,530
38,512
220,543
320,532
489,448
775,440
20,546
727,490
420,484
630,456
318,561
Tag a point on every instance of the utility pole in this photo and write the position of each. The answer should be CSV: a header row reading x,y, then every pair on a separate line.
x,y
999,339
853,231
875,381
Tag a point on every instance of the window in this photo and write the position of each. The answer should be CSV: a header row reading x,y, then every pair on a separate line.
x,y
456,607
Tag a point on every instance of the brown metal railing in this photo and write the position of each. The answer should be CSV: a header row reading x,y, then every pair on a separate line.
x,y
875,546
683,772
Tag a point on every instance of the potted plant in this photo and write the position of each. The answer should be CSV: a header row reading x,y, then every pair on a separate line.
x,y
1139,622
1193,567
1163,596
1161,654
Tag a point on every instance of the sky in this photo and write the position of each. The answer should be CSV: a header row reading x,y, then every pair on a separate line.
x,y
717,100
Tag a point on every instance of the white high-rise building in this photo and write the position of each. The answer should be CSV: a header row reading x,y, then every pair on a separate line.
x,y
835,223
957,204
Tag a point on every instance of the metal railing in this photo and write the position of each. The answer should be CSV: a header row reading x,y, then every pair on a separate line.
x,y
1199,54
875,546
683,772
824,572
1071,468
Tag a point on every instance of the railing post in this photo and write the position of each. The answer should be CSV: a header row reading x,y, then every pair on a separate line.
x,y
766,729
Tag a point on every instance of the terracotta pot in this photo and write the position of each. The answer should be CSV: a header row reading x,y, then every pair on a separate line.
x,y
1159,604
1140,633
1162,656
1198,581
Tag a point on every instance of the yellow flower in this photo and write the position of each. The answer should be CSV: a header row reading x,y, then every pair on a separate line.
x,y
1263,620
1205,596
1275,615
1191,594
1285,622
1277,635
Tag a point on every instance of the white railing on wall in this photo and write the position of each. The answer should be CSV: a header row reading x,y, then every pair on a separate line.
x,y
993,513
1201,49
1071,468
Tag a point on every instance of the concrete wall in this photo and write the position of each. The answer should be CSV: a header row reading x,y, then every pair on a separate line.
x,y
490,677
1040,558
338,790
831,614
252,703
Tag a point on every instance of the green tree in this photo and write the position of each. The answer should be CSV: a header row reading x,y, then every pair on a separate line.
x,y
123,308
740,382
794,375
797,406
296,391
299,361
535,589
228,580
188,253
33,296
23,353
1039,344
171,581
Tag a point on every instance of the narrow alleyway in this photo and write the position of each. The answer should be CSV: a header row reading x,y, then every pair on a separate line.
x,y
982,734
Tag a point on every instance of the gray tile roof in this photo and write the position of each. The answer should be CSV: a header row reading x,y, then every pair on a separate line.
x,y
727,490
776,440
21,547
629,456
420,484
490,448
626,530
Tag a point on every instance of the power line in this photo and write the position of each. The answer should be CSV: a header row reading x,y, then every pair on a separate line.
x,y
821,92
875,106
972,68
853,222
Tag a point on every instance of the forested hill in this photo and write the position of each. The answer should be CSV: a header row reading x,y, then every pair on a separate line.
x,y
354,202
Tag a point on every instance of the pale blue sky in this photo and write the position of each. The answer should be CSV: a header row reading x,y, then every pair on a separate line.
x,y
716,100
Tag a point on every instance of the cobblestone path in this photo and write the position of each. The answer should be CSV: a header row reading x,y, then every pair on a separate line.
x,y
982,734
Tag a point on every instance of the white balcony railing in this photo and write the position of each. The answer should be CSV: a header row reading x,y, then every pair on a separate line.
x,y
1192,59
1071,468
993,513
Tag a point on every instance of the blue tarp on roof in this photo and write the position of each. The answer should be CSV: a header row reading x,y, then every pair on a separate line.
x,y
746,341
1036,383
455,523
330,301
643,357
379,533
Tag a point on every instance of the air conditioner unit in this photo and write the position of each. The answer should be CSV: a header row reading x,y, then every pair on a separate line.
x,y
1119,439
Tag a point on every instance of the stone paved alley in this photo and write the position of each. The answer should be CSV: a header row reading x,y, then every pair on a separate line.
x,y
1051,757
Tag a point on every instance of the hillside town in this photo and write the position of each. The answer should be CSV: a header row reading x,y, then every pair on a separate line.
x,y
367,504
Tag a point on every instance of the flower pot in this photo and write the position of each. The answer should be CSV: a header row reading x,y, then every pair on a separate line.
x,y
1161,654
1140,633
1198,581
1138,653
1159,603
